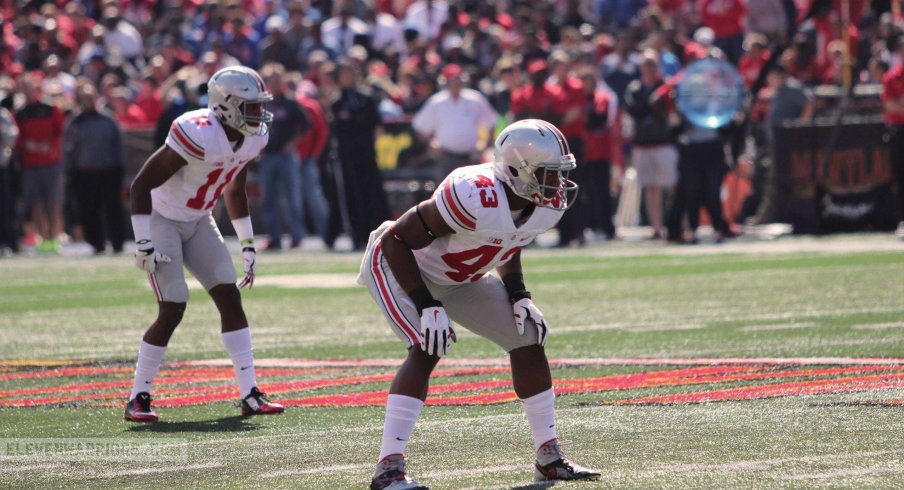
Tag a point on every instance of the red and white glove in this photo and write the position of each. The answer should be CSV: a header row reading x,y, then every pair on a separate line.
x,y
525,309
245,233
146,258
249,263
437,333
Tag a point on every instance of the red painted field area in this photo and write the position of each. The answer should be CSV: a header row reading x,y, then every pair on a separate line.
x,y
333,383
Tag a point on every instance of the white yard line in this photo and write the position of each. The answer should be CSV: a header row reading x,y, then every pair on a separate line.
x,y
6,469
846,472
759,465
321,469
152,471
293,281
664,328
777,326
437,474
877,326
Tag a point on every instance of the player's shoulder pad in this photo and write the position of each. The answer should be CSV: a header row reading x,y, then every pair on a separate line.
x,y
467,194
187,134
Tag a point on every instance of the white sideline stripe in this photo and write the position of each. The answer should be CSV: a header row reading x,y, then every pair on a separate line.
x,y
877,326
322,469
295,281
663,328
152,471
586,361
872,470
473,471
760,465
31,467
777,326
634,327
596,327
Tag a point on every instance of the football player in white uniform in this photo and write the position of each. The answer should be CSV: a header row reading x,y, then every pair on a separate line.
x,y
428,268
206,155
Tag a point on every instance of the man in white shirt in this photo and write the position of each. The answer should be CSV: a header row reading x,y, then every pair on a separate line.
x,y
338,32
385,31
458,122
122,37
427,16
53,74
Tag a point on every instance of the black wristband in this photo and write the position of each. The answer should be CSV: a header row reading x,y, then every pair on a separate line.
x,y
519,295
423,299
514,286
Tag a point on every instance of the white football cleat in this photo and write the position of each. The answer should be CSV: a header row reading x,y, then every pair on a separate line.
x,y
552,465
390,475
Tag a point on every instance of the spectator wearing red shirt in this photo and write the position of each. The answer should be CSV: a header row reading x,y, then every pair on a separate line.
x,y
128,115
755,57
595,205
75,23
800,60
536,99
669,7
40,147
569,112
893,104
310,148
149,99
726,18
570,91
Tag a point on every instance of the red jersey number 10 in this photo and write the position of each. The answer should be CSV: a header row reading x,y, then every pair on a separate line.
x,y
198,202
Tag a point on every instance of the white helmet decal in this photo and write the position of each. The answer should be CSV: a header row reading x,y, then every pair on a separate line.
x,y
525,147
230,91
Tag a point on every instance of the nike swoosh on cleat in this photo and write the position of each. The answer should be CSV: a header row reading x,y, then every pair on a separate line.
x,y
400,439
244,368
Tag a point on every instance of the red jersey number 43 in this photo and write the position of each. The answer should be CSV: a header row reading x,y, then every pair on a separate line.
x,y
466,264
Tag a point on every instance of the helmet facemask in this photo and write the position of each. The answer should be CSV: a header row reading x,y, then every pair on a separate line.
x,y
257,120
547,185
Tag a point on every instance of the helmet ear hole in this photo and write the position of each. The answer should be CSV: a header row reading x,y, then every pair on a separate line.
x,y
513,171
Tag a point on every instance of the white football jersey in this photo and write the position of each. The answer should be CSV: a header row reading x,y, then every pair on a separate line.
x,y
474,204
200,139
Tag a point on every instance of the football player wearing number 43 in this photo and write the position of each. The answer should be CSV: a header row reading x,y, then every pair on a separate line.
x,y
428,268
205,156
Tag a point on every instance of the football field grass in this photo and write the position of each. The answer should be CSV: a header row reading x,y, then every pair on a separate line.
x,y
750,365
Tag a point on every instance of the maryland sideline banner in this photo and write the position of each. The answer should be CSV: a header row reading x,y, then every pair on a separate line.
x,y
847,190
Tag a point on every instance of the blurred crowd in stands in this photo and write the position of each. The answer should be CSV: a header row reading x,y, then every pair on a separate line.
x,y
76,75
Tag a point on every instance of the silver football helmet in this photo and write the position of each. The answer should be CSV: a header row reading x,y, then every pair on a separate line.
x,y
237,96
532,157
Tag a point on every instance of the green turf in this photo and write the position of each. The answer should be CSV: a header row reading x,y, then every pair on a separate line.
x,y
608,301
